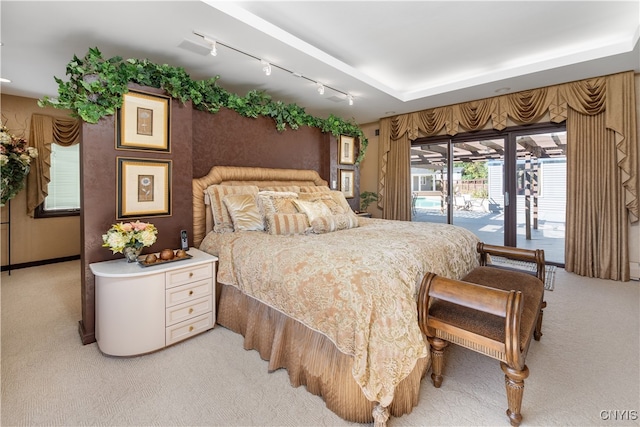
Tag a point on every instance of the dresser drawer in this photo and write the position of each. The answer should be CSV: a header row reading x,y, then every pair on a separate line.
x,y
189,328
188,292
188,310
189,274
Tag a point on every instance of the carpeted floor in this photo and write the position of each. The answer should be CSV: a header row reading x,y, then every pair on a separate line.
x,y
587,362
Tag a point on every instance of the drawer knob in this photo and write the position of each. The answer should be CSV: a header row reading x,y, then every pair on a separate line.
x,y
190,292
190,310
190,328
190,274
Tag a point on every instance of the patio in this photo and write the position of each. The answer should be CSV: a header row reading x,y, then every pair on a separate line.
x,y
489,227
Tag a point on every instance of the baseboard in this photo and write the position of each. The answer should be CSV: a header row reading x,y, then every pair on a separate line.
x,y
37,263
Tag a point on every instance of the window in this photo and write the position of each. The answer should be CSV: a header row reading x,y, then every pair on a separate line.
x,y
64,188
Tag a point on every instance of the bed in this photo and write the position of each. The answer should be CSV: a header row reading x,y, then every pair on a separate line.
x,y
327,295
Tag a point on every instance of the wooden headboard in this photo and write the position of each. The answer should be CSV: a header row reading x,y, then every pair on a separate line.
x,y
232,175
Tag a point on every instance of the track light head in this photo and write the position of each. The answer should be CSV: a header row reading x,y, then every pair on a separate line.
x,y
266,67
214,50
350,99
320,88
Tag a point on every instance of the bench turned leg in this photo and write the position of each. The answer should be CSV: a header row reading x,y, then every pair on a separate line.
x,y
537,333
514,381
437,359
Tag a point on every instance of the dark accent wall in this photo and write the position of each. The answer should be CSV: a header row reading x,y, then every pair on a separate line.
x,y
98,195
199,140
228,139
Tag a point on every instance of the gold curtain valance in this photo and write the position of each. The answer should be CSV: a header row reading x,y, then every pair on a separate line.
x,y
47,130
588,97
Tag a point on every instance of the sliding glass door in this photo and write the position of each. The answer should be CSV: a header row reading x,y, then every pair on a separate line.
x,y
508,188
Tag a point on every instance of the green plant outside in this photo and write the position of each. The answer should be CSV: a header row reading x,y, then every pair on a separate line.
x,y
96,86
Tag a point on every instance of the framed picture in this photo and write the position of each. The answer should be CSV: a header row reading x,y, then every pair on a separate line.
x,y
143,187
143,123
346,149
347,182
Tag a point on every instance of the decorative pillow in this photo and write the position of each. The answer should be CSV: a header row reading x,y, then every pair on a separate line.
x,y
339,198
326,198
221,220
314,189
329,223
287,224
272,202
244,212
313,210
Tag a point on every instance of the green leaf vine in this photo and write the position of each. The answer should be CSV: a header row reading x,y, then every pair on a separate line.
x,y
96,86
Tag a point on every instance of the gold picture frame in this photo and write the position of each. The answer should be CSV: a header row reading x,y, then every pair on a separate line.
x,y
143,188
346,150
347,182
143,122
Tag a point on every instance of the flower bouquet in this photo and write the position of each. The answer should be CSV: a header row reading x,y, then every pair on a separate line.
x,y
15,160
129,238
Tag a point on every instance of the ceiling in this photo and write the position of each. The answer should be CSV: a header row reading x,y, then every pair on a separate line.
x,y
393,57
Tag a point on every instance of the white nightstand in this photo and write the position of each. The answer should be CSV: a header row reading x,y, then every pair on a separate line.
x,y
142,309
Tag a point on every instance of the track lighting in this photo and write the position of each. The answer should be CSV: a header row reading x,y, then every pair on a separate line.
x,y
266,67
214,51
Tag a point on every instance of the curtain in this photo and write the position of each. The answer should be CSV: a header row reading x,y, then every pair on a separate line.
x,y
596,229
46,130
611,97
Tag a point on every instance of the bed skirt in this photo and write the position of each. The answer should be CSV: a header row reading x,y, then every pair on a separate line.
x,y
310,358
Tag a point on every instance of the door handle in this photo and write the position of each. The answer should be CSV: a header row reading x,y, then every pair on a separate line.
x,y
506,199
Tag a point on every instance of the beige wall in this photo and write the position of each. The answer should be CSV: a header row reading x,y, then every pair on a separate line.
x,y
33,239
369,166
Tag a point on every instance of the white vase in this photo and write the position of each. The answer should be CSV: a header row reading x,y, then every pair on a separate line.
x,y
131,253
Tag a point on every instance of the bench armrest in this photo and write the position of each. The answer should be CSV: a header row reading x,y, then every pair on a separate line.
x,y
535,256
498,302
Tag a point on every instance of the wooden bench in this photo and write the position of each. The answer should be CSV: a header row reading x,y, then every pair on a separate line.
x,y
493,310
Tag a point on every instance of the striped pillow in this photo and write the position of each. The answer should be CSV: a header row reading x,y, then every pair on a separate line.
x,y
329,223
287,224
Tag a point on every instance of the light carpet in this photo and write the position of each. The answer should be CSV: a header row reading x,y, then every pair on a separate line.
x,y
587,362
549,270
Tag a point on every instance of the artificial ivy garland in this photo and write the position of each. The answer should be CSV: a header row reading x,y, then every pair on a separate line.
x,y
96,86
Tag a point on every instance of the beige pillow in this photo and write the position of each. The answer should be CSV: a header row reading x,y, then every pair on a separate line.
x,y
272,202
329,223
339,198
313,210
221,219
326,198
244,213
287,224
